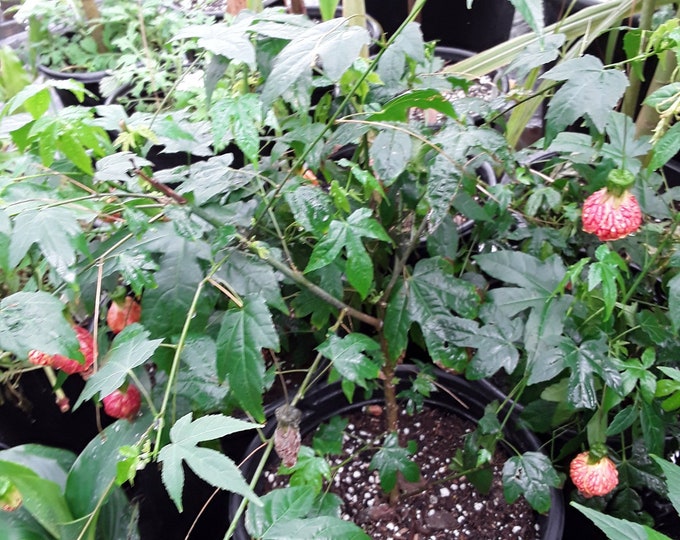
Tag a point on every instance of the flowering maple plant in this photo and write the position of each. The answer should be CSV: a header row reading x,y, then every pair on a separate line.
x,y
315,217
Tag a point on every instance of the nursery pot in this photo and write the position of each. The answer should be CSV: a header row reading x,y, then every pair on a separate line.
x,y
90,80
461,398
450,22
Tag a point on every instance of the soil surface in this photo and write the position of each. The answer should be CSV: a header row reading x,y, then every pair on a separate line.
x,y
433,508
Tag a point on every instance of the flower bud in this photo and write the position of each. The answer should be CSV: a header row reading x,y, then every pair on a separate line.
x,y
287,440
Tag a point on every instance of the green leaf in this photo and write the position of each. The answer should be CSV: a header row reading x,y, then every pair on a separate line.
x,y
95,469
210,465
164,309
622,421
390,152
243,334
197,379
392,459
589,90
398,108
328,436
434,290
21,525
251,278
319,528
55,230
35,320
309,470
130,348
586,360
336,44
295,512
672,474
397,321
74,151
238,118
47,462
531,475
674,302
311,207
532,13
347,355
42,498
619,529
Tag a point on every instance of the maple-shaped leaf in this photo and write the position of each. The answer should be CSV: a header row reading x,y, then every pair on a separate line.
x,y
531,475
589,91
392,459
55,229
347,355
212,466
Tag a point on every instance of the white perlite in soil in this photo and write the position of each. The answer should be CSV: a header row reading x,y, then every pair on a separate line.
x,y
432,508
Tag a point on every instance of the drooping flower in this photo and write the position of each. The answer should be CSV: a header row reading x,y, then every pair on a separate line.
x,y
123,402
612,212
593,476
68,365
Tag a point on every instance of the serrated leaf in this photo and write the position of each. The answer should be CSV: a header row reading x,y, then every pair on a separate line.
x,y
229,41
190,432
319,528
197,380
665,148
55,230
398,108
243,334
328,436
589,90
347,355
35,320
531,475
210,465
309,470
279,505
337,45
391,459
130,348
238,118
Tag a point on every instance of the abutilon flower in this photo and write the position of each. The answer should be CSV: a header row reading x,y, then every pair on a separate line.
x,y
68,365
612,212
593,477
287,438
123,403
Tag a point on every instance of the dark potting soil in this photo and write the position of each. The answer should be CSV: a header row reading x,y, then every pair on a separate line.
x,y
432,508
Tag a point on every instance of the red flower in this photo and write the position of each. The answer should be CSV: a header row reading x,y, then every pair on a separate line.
x,y
68,365
121,314
123,403
593,478
610,216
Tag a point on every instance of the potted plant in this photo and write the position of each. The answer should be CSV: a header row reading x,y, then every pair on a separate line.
x,y
108,44
338,240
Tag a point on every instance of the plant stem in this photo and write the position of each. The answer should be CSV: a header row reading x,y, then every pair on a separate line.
x,y
92,13
630,98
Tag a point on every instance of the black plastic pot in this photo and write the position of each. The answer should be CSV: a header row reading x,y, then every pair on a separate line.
x,y
450,22
324,403
90,80
29,414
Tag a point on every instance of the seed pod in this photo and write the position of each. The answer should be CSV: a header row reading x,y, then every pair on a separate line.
x,y
287,440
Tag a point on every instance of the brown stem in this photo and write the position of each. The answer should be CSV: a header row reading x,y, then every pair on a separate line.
x,y
298,6
391,413
234,7
92,14
165,190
